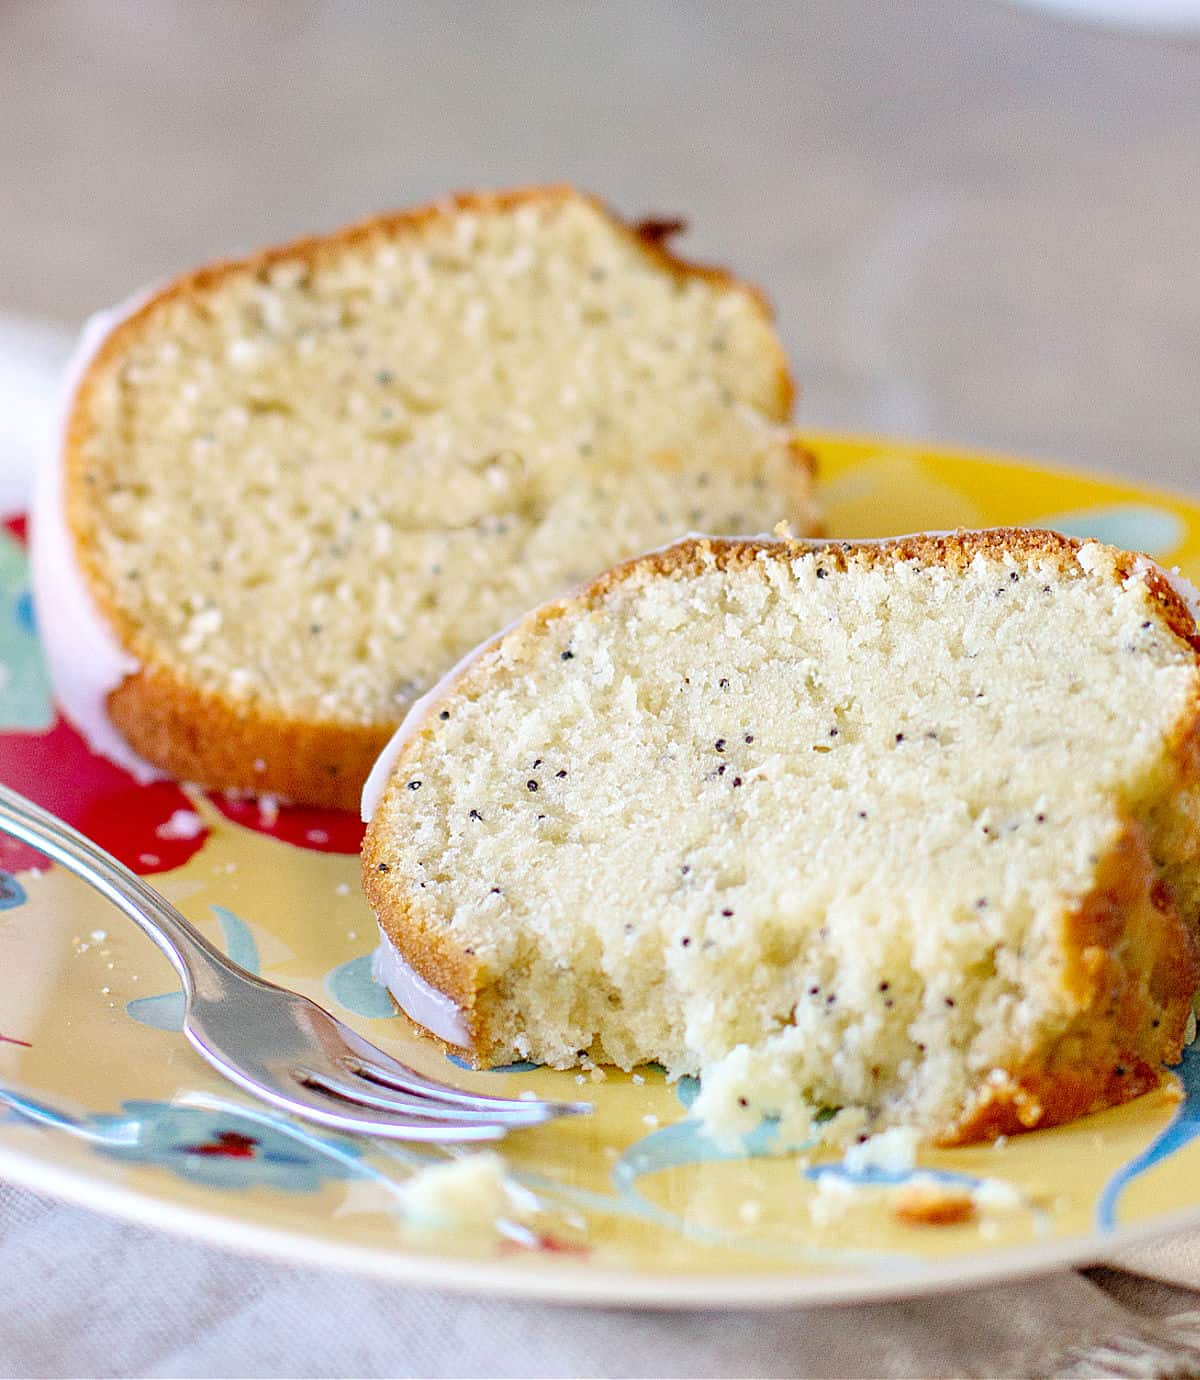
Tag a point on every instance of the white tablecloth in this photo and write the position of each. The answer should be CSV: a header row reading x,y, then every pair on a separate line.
x,y
86,1295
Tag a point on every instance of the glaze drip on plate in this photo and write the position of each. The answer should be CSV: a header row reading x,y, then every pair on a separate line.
x,y
418,999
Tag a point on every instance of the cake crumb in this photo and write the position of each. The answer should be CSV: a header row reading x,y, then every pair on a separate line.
x,y
183,824
470,1192
832,1199
891,1152
997,1195
932,1204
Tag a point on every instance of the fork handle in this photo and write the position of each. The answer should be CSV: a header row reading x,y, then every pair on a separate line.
x,y
189,951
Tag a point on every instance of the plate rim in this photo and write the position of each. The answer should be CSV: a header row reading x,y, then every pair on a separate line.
x,y
575,1284
933,448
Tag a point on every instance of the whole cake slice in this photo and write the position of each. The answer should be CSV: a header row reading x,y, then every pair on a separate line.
x,y
905,829
295,489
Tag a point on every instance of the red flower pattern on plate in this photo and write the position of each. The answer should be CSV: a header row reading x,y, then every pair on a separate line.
x,y
230,1145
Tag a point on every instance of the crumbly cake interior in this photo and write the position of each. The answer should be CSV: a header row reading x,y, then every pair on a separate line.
x,y
833,816
315,485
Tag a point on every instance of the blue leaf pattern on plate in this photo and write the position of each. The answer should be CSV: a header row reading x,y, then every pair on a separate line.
x,y
520,1066
686,1143
352,986
25,701
23,609
1184,1128
239,942
12,893
1132,526
163,1012
891,1177
219,1147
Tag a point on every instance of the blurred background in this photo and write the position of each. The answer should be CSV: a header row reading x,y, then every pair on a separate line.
x,y
979,222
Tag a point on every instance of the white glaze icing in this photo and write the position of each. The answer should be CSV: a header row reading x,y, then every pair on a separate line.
x,y
418,999
85,661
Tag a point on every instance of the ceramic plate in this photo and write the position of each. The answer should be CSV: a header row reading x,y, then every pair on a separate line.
x,y
102,1101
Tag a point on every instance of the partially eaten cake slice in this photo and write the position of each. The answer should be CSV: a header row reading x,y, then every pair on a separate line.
x,y
905,828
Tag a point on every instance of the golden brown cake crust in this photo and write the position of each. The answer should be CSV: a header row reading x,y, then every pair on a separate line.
x,y
1126,1026
1133,965
200,737
206,737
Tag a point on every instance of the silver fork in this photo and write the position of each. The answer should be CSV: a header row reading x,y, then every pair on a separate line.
x,y
274,1043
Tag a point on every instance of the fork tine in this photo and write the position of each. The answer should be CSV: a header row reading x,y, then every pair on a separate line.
x,y
373,1064
381,1123
362,1093
405,1080
313,1104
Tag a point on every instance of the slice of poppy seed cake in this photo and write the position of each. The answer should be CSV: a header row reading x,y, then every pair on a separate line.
x,y
295,489
904,829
